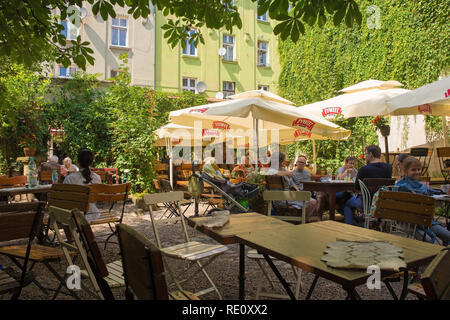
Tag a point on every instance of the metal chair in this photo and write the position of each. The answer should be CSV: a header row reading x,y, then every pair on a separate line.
x,y
190,251
166,187
366,201
444,162
144,269
424,156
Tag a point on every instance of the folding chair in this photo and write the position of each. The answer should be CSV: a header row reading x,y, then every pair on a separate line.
x,y
190,251
410,208
435,282
444,162
109,193
18,221
66,196
144,269
102,277
424,156
271,196
166,187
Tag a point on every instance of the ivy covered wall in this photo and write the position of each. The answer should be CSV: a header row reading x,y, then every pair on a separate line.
x,y
412,46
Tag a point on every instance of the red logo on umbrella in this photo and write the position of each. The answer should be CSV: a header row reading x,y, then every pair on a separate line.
x,y
424,108
301,132
447,94
178,141
303,122
221,125
210,132
200,110
331,111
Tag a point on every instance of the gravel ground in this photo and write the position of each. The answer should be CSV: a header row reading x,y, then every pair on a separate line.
x,y
223,271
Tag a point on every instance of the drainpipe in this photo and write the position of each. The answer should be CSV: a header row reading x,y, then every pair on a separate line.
x,y
154,46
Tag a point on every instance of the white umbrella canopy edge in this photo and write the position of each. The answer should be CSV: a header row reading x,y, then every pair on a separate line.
x,y
430,99
240,112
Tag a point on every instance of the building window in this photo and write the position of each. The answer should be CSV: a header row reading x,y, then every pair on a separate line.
x,y
67,72
189,84
119,31
263,54
262,87
70,31
228,44
114,73
263,17
228,89
190,49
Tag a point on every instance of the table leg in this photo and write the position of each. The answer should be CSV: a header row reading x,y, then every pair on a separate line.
x,y
332,203
241,271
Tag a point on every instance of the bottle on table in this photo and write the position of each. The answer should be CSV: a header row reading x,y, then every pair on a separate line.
x,y
32,175
54,177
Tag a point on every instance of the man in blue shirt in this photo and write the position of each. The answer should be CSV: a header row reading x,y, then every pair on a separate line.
x,y
375,168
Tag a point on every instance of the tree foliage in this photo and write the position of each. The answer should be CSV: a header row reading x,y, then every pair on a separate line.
x,y
30,31
411,46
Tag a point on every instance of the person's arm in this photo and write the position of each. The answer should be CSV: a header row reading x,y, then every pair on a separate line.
x,y
341,173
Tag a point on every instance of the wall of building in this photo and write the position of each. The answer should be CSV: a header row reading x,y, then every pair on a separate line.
x,y
140,46
209,67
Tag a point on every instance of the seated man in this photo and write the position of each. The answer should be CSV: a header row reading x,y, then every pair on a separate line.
x,y
50,165
300,174
289,184
375,168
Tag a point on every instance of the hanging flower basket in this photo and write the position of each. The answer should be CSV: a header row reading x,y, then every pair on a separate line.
x,y
385,130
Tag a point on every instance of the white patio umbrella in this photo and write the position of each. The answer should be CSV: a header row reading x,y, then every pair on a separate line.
x,y
262,112
431,99
367,98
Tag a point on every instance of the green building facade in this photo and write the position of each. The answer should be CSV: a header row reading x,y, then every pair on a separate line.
x,y
248,61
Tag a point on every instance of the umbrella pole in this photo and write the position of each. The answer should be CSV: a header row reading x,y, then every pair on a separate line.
x,y
386,148
445,130
314,156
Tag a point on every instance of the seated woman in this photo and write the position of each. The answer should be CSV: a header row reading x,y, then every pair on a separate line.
x,y
68,167
85,177
410,183
348,170
242,170
289,184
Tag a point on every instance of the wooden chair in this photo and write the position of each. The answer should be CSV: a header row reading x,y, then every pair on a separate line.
x,y
24,220
374,184
435,282
13,182
162,170
166,187
410,208
18,221
46,177
192,252
102,277
444,162
144,269
112,194
424,156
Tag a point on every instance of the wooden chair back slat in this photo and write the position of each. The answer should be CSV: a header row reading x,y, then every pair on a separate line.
x,y
157,185
143,265
69,196
18,181
374,184
156,198
274,182
16,220
287,195
161,167
443,152
405,207
109,192
45,176
435,280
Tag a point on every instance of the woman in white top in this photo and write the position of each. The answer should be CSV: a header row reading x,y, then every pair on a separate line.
x,y
84,177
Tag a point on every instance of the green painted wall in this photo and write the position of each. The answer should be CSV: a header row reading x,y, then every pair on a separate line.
x,y
171,65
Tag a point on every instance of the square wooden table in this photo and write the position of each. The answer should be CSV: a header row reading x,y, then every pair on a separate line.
x,y
303,246
331,188
240,224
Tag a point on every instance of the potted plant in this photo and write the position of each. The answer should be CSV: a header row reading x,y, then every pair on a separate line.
x,y
382,124
29,145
